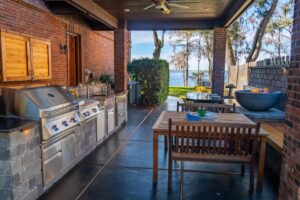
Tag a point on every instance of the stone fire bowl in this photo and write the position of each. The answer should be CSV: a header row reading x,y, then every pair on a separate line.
x,y
257,101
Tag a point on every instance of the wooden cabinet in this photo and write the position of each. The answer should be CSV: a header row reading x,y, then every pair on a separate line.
x,y
24,58
15,57
41,59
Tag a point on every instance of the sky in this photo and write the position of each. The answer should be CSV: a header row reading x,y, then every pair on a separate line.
x,y
143,46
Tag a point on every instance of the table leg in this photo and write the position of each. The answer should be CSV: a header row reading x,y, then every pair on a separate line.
x,y
155,157
261,164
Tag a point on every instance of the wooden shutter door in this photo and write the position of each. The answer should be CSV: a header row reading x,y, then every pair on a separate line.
x,y
15,57
41,59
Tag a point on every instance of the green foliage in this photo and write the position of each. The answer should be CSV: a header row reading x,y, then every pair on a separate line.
x,y
106,78
153,76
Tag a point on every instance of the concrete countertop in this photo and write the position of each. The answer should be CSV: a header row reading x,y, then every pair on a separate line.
x,y
9,125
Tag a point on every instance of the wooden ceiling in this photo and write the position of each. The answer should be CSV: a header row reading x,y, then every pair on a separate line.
x,y
199,9
107,14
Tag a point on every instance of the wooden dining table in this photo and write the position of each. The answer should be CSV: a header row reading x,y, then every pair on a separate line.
x,y
160,128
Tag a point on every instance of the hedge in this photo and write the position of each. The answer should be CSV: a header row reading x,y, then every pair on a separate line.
x,y
153,76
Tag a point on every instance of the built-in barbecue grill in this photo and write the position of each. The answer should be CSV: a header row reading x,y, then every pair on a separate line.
x,y
57,113
50,105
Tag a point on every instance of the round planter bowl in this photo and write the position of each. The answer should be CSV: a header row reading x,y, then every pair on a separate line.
x,y
257,101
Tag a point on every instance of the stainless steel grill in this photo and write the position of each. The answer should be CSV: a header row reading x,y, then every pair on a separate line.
x,y
49,105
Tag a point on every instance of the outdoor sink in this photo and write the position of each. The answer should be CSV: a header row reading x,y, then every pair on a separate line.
x,y
257,101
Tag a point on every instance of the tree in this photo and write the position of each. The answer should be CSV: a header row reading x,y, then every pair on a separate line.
x,y
182,41
179,62
264,9
235,44
207,49
198,54
159,44
279,31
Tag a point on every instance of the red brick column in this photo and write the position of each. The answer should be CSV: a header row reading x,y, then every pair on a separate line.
x,y
122,39
219,61
290,169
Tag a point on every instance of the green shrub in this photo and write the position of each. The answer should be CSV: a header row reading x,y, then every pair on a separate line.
x,y
153,76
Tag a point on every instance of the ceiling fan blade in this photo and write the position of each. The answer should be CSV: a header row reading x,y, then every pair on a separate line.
x,y
148,7
178,6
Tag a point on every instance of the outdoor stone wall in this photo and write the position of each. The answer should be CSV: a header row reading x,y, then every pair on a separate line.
x,y
290,169
20,165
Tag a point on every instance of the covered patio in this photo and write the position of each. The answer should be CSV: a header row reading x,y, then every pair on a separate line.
x,y
122,167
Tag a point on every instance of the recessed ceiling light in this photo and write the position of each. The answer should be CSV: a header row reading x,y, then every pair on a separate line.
x,y
126,10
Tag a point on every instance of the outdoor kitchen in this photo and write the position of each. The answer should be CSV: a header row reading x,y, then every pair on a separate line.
x,y
47,130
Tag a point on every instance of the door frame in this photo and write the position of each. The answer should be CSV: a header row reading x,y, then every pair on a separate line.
x,y
77,61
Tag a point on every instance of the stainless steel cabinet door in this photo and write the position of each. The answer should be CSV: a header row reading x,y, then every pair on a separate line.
x,y
68,150
101,125
110,120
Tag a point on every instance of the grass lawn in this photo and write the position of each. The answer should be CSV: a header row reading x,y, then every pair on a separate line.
x,y
179,91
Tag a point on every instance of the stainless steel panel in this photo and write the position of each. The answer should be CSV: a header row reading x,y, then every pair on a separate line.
x,y
101,128
110,120
51,150
47,97
52,167
68,150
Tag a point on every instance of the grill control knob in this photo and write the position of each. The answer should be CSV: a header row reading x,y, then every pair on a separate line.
x,y
54,128
94,110
64,123
73,120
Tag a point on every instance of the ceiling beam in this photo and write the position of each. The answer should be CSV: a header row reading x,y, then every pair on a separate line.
x,y
234,11
87,7
172,24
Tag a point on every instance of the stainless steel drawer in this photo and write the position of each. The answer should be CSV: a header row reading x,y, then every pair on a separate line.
x,y
51,150
52,167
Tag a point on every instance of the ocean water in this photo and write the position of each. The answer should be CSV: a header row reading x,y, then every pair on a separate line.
x,y
176,78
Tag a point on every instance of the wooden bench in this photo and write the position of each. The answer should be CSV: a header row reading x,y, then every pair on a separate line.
x,y
212,142
275,132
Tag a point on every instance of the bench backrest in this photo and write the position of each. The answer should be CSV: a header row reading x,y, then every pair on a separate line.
x,y
213,138
213,107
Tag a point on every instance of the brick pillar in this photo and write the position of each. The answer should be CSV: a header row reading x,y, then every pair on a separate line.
x,y
290,168
122,38
219,61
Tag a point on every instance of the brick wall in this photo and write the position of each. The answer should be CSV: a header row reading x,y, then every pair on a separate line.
x,y
122,42
219,61
32,17
290,173
272,77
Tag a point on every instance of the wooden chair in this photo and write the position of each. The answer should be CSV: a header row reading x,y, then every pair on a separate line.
x,y
212,142
213,107
193,107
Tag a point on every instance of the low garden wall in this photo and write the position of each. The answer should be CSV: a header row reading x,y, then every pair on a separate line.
x,y
268,73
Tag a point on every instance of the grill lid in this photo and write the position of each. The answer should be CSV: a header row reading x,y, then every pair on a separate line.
x,y
48,96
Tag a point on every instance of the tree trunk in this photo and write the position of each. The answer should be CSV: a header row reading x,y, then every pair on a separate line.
x,y
183,76
257,42
210,69
159,44
198,76
230,57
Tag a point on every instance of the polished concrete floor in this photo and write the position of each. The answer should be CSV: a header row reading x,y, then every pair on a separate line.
x,y
121,169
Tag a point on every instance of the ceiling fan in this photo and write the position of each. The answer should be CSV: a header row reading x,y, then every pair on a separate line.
x,y
166,5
